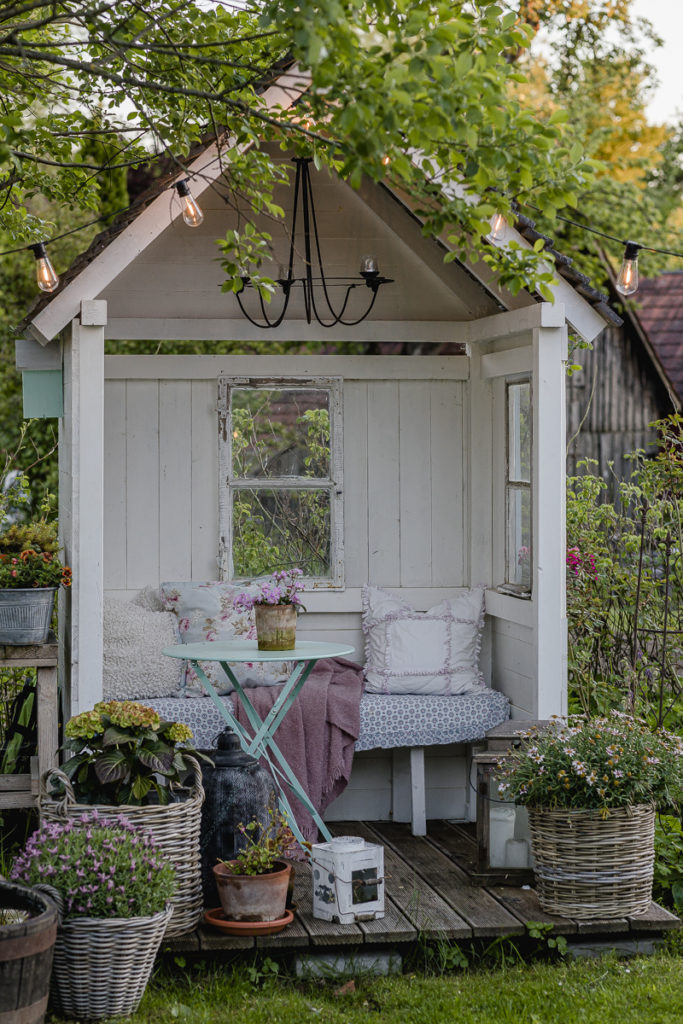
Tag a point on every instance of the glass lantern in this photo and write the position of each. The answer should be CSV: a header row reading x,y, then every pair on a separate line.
x,y
348,880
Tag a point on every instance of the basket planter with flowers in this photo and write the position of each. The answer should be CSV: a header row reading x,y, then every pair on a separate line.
x,y
112,887
128,762
30,574
591,787
276,603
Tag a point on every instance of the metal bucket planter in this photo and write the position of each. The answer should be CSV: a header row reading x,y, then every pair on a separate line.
x,y
587,866
275,626
25,615
26,948
253,897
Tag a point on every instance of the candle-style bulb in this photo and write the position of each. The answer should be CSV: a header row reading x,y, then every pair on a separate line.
x,y
192,214
498,227
369,266
46,277
627,279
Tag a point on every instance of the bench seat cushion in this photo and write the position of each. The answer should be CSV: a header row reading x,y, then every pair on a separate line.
x,y
386,720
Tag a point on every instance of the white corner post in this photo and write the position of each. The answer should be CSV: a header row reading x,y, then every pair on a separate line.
x,y
548,522
81,497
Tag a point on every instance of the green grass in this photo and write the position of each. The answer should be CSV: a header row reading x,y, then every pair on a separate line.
x,y
644,990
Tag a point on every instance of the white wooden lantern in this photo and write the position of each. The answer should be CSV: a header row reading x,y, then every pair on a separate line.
x,y
348,880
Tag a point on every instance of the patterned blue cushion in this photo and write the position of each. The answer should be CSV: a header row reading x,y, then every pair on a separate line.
x,y
386,720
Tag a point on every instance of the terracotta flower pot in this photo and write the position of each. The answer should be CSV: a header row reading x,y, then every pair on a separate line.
x,y
253,897
275,626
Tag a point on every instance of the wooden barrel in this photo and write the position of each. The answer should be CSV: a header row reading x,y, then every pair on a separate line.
x,y
25,954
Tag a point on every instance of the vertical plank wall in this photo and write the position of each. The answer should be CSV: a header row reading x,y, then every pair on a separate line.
x,y
405,525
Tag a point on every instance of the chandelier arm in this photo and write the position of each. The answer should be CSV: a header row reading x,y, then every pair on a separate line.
x,y
269,323
354,323
337,318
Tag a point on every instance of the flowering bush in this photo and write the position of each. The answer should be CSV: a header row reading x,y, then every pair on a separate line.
x,y
100,867
125,754
265,845
280,588
598,763
28,557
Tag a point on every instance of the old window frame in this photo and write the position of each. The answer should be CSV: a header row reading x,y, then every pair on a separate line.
x,y
517,485
333,484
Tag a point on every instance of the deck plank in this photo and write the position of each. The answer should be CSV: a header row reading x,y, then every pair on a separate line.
x,y
412,907
655,919
524,904
483,913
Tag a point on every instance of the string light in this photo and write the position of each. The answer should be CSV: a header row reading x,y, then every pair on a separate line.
x,y
45,273
626,284
627,279
192,214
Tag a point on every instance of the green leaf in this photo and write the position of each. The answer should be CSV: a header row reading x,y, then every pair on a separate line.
x,y
111,767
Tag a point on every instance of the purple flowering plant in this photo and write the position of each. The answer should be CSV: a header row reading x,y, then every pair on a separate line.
x,y
101,867
282,587
613,760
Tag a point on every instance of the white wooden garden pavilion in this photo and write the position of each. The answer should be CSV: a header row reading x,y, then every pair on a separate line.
x,y
428,492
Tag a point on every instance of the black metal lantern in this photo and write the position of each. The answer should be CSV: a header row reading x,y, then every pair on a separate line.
x,y
238,790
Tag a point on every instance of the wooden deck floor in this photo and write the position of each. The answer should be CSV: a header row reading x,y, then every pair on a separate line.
x,y
429,895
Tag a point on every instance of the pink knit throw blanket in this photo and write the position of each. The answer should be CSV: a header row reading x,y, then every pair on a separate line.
x,y
318,733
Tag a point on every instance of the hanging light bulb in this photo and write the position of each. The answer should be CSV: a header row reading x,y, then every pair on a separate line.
x,y
627,281
192,214
45,273
498,228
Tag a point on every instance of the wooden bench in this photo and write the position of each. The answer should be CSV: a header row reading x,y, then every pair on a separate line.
x,y
387,722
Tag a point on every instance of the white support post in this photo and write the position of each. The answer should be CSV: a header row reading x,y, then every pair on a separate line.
x,y
480,473
81,494
549,510
418,793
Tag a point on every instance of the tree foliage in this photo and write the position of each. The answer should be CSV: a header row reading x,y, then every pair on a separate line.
x,y
390,79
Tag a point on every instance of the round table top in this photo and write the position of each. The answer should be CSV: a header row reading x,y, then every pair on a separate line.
x,y
247,650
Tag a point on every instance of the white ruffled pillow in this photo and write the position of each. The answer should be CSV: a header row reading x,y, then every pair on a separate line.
x,y
205,611
432,652
133,638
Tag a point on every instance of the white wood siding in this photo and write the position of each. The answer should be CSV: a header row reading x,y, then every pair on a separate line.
x,y
404,476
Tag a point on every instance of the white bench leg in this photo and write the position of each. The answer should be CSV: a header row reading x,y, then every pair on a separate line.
x,y
417,791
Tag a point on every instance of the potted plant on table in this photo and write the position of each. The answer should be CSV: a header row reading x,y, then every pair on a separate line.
x,y
127,761
253,886
30,574
591,787
112,887
276,603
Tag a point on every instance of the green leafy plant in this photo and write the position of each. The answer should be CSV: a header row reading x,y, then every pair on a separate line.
x,y
610,761
100,867
668,875
124,753
265,844
28,557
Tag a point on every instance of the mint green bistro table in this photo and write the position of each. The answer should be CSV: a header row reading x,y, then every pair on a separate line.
x,y
262,745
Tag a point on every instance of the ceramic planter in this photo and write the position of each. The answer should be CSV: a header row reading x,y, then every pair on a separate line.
x,y
275,626
253,897
25,615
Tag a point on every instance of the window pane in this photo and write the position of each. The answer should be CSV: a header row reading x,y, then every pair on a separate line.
x,y
281,529
280,433
519,431
519,536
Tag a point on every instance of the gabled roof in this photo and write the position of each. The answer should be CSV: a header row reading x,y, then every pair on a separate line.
x,y
133,231
660,311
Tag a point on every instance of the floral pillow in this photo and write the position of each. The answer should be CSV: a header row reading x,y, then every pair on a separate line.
x,y
205,611
432,652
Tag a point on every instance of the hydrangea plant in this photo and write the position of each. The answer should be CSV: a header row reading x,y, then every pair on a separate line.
x,y
124,753
281,588
594,763
101,867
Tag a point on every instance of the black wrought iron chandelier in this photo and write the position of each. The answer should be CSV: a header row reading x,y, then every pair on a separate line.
x,y
316,290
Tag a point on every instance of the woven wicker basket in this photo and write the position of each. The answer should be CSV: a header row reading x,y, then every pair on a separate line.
x,y
101,965
175,828
587,866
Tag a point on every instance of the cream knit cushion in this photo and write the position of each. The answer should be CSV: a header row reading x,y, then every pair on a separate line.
x,y
133,666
